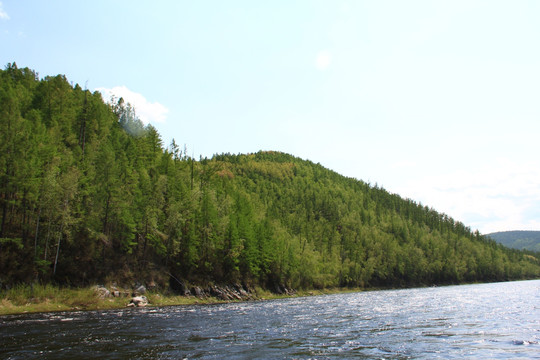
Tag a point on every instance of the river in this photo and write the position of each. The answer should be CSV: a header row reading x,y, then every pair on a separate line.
x,y
486,321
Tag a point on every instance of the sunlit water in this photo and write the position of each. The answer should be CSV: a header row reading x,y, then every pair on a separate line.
x,y
489,321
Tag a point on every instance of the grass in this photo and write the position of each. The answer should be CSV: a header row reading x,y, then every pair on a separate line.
x,y
48,298
45,298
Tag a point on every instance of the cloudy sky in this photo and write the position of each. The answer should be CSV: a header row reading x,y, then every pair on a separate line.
x,y
438,101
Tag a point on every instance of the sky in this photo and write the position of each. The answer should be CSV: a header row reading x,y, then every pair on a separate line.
x,y
437,101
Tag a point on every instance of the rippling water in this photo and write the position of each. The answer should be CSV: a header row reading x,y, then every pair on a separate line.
x,y
491,321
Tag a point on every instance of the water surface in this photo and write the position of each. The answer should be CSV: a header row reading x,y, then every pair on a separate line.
x,y
490,321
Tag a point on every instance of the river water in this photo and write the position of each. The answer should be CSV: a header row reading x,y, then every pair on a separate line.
x,y
487,321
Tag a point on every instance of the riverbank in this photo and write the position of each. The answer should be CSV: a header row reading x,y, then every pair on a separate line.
x,y
482,321
48,298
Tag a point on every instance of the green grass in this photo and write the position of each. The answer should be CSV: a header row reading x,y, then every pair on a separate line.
x,y
47,298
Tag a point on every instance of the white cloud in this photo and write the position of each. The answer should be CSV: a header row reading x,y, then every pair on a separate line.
x,y
148,112
502,195
3,13
323,60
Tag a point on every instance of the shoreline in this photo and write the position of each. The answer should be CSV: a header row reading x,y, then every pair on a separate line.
x,y
47,298
44,299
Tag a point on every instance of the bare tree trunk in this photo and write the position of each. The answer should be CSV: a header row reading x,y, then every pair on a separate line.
x,y
4,215
66,202
57,251
37,232
47,242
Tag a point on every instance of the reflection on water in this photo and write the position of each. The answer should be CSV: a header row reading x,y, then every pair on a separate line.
x,y
494,321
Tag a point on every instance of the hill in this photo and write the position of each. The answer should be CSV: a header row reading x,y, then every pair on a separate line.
x,y
88,194
521,240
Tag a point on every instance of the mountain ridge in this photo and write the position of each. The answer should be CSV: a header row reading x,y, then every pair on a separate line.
x,y
518,239
89,194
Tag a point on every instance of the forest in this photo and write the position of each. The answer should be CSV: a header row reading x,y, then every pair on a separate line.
x,y
529,240
89,194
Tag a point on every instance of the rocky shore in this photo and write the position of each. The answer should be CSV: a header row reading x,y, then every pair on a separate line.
x,y
48,298
137,295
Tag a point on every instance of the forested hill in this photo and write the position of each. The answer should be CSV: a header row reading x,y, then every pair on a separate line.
x,y
522,240
89,194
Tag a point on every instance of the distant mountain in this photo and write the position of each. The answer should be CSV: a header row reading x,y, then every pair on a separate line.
x,y
521,240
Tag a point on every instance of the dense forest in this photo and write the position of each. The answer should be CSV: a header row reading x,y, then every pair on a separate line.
x,y
519,239
89,194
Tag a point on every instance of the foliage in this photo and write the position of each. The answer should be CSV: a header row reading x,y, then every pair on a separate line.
x,y
88,193
521,240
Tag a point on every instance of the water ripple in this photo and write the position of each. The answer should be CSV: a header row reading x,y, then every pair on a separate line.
x,y
473,321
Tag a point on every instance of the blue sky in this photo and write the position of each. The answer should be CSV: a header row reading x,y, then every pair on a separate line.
x,y
437,101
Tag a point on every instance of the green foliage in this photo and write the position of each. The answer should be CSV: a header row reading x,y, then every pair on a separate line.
x,y
17,242
88,193
521,240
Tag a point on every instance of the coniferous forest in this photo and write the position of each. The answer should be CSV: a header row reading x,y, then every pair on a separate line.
x,y
90,194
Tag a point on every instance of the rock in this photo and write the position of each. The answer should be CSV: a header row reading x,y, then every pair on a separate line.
x,y
138,301
213,291
219,293
116,292
178,286
197,291
225,292
102,291
233,293
289,292
242,291
140,290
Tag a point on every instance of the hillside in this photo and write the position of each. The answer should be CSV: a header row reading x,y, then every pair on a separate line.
x,y
88,194
521,240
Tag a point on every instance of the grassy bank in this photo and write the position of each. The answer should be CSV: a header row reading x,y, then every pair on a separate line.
x,y
48,298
